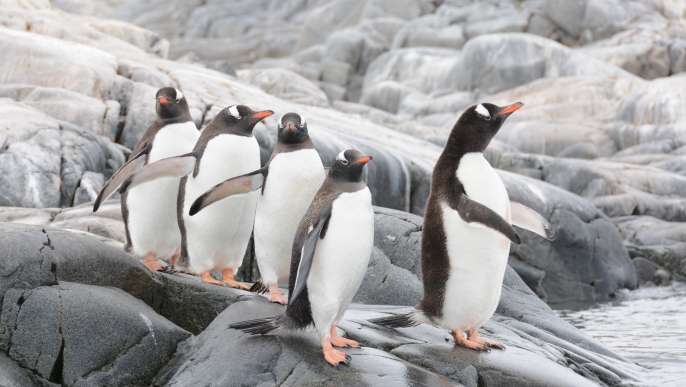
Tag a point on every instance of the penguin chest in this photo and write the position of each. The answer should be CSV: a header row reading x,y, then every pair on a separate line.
x,y
152,221
293,180
477,254
174,140
341,258
226,224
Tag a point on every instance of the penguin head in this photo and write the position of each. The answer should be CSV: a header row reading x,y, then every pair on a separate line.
x,y
171,103
348,165
242,117
292,128
477,126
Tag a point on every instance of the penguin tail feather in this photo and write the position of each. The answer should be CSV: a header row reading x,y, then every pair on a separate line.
x,y
398,320
261,326
259,288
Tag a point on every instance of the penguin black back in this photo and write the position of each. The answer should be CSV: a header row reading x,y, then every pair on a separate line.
x,y
472,132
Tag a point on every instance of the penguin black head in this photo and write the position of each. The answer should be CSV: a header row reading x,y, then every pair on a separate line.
x,y
348,165
241,118
477,126
171,103
292,128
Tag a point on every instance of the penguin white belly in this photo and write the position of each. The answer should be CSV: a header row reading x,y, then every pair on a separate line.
x,y
152,222
341,258
217,237
294,178
477,255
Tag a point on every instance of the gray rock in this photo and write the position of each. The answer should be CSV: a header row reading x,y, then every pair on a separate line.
x,y
106,227
89,335
12,375
286,85
33,216
645,269
421,353
140,113
584,234
496,62
671,257
110,209
89,187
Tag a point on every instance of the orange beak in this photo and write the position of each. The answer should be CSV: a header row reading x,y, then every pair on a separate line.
x,y
290,126
261,115
364,159
163,100
512,108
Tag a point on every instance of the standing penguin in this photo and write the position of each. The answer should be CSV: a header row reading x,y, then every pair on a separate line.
x,y
217,239
467,233
295,174
149,211
330,256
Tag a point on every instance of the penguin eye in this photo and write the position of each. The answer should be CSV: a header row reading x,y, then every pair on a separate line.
x,y
345,162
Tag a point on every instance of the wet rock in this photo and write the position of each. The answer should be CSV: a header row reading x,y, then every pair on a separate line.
x,y
89,187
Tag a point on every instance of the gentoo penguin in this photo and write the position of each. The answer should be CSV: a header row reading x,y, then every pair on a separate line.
x,y
330,255
216,239
467,233
295,173
149,211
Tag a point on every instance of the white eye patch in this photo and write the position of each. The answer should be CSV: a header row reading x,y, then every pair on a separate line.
x,y
341,156
482,110
302,122
179,95
281,121
234,111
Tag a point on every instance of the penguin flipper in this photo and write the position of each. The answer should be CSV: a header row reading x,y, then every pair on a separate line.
x,y
307,254
132,166
234,186
528,219
474,212
169,168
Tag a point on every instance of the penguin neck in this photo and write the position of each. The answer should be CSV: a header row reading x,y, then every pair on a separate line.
x,y
175,120
285,146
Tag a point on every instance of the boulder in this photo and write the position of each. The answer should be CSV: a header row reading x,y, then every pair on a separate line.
x,y
105,227
286,85
12,375
76,334
496,62
587,262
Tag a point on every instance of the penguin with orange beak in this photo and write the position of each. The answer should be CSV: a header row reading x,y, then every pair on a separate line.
x,y
330,255
467,231
217,239
288,183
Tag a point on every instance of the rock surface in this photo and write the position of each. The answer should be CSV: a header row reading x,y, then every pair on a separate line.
x,y
66,286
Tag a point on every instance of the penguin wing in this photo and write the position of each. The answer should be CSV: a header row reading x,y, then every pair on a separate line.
x,y
528,219
234,186
307,254
169,168
132,166
474,212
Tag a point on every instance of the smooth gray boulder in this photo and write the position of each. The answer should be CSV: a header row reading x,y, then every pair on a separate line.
x,y
108,228
12,375
587,262
286,85
80,335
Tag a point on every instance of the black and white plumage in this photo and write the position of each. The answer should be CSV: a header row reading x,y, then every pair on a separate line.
x,y
330,254
288,183
467,232
217,239
149,211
